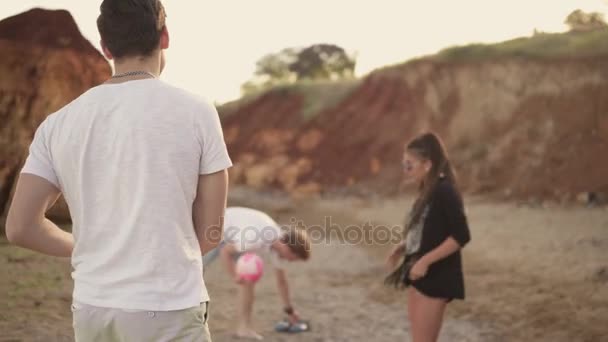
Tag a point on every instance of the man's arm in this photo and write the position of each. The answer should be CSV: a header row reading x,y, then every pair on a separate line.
x,y
283,287
208,209
26,224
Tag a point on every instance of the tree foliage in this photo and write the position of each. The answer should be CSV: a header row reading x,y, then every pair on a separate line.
x,y
583,21
315,62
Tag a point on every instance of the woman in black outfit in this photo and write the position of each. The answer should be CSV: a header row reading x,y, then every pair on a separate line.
x,y
435,231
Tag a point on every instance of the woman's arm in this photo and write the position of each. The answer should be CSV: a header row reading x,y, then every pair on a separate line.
x,y
445,249
395,254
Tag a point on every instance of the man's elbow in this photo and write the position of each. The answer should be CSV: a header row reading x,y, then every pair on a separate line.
x,y
215,235
15,231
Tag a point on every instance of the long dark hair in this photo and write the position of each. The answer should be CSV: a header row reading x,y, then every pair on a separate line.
x,y
427,147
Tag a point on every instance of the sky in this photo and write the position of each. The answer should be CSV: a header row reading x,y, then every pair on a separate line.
x,y
215,43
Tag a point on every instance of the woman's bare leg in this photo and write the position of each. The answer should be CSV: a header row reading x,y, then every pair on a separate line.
x,y
426,316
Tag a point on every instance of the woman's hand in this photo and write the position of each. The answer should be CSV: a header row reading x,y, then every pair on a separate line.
x,y
396,253
418,270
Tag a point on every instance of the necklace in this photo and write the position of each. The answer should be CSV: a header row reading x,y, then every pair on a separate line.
x,y
134,73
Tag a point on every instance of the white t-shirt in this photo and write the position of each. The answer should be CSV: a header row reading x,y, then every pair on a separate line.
x,y
127,158
250,230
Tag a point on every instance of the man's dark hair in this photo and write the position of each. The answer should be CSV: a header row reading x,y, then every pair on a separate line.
x,y
131,27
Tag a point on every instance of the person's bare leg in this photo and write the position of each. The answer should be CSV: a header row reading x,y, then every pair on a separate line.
x,y
246,300
411,313
427,316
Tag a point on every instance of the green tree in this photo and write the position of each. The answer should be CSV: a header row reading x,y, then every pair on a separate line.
x,y
323,62
583,21
270,70
316,62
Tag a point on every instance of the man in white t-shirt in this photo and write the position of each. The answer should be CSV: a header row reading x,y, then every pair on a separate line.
x,y
142,166
250,230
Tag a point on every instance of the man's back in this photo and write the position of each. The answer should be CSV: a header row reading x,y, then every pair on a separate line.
x,y
142,166
127,158
250,229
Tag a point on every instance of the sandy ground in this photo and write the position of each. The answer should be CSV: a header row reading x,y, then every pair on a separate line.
x,y
532,274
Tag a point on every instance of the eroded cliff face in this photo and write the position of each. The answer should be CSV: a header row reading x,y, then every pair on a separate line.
x,y
516,127
45,63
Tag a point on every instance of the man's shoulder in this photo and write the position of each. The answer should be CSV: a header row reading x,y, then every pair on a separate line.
x,y
184,97
49,123
154,91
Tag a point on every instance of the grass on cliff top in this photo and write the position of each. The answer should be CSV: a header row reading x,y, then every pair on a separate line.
x,y
542,45
317,95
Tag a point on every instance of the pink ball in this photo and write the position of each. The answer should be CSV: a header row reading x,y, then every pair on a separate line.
x,y
250,267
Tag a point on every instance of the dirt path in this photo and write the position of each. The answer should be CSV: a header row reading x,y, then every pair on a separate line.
x,y
340,289
335,290
531,274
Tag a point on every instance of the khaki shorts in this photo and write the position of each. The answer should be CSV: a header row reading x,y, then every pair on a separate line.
x,y
95,324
